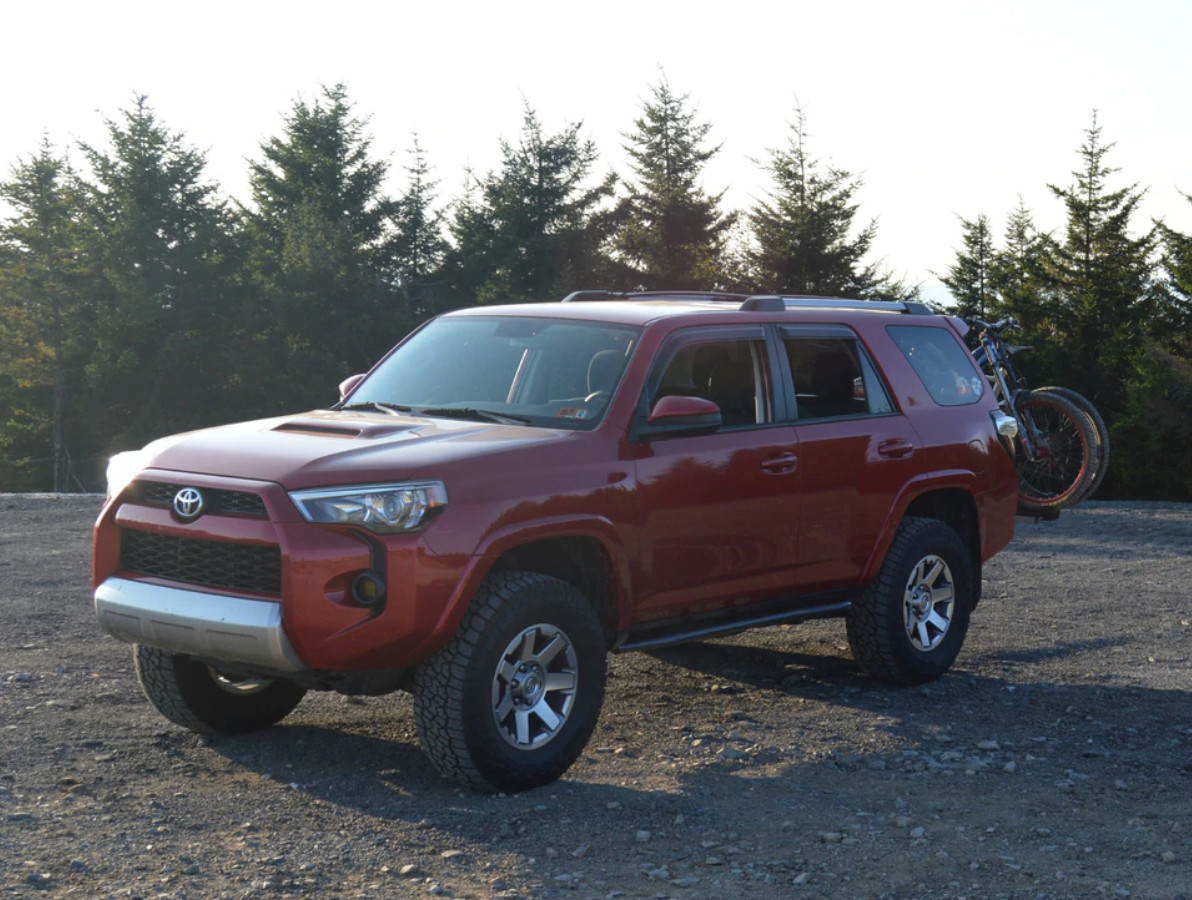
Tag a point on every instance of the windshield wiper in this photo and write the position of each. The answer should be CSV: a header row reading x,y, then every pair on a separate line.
x,y
393,409
480,415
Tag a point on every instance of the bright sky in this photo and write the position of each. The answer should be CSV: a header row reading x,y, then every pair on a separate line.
x,y
946,108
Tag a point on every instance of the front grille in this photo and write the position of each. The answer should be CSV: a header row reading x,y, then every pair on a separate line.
x,y
217,564
236,503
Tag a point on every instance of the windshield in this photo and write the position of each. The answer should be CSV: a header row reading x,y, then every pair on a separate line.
x,y
545,372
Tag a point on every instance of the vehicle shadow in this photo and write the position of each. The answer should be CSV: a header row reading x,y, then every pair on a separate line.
x,y
1056,754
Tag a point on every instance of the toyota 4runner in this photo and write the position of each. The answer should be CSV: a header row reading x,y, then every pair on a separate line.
x,y
514,491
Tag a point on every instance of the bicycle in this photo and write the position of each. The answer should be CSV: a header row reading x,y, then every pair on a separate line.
x,y
1062,448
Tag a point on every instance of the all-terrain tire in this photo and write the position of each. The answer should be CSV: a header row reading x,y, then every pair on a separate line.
x,y
890,629
515,619
188,694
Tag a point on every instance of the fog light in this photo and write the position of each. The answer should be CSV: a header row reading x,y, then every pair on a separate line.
x,y
368,589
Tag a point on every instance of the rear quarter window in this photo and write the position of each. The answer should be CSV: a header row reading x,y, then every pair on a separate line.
x,y
942,364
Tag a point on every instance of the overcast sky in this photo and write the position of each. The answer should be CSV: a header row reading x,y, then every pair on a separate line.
x,y
945,108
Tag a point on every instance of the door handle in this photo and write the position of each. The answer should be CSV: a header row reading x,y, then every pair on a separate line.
x,y
895,448
780,465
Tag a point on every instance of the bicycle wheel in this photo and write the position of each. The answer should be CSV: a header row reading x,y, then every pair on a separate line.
x,y
1056,452
1099,427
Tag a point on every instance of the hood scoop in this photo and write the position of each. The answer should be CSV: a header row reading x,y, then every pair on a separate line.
x,y
366,429
318,429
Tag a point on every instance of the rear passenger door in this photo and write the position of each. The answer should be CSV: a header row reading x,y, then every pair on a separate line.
x,y
856,450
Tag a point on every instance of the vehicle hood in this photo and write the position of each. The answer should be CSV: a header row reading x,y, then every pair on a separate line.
x,y
328,448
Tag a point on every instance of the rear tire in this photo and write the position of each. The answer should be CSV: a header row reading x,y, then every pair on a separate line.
x,y
510,703
198,697
1100,431
1066,454
909,624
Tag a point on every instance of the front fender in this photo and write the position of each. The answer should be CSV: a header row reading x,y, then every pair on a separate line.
x,y
503,540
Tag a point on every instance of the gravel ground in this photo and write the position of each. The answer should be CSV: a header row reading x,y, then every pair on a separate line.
x,y
1054,761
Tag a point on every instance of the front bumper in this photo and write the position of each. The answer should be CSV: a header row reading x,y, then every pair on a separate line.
x,y
210,626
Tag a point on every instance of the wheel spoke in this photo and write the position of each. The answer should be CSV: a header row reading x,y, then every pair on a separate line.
x,y
916,575
506,671
546,714
931,576
924,639
560,681
942,594
522,716
551,650
506,705
527,647
938,621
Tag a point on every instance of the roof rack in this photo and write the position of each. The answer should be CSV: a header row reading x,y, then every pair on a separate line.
x,y
757,302
590,296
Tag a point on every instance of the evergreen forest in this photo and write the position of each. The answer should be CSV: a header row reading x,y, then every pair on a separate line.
x,y
136,300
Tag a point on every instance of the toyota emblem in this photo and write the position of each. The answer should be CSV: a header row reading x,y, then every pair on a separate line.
x,y
189,503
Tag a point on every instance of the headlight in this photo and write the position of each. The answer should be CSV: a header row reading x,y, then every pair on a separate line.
x,y
383,508
122,469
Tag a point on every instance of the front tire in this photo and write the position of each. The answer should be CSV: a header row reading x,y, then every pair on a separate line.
x,y
510,703
909,624
203,699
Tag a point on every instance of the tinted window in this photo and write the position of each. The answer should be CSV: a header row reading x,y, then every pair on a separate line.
x,y
942,364
833,377
557,373
729,373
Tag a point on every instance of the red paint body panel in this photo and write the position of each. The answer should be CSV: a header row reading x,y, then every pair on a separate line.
x,y
688,524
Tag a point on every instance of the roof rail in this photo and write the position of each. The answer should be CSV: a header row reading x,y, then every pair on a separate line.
x,y
756,303
589,296
768,302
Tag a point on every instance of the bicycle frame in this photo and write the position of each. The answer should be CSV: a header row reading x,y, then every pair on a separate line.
x,y
1009,388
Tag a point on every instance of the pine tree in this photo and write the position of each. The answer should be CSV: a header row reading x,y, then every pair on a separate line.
x,y
323,256
418,245
43,318
970,278
803,236
164,241
672,233
1102,274
536,227
1019,278
1174,316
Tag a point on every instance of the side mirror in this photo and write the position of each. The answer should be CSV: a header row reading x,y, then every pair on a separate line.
x,y
680,417
348,385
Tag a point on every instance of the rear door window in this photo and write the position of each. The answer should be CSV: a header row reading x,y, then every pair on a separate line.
x,y
941,362
832,375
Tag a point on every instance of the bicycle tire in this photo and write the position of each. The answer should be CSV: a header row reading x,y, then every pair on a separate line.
x,y
1102,431
1067,456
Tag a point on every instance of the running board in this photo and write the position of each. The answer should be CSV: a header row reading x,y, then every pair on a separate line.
x,y
790,617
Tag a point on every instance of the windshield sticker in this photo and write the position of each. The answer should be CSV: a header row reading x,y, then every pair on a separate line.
x,y
572,412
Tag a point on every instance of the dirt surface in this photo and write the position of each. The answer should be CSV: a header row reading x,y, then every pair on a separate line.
x,y
1054,761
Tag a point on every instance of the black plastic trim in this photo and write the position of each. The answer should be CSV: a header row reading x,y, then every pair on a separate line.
x,y
732,626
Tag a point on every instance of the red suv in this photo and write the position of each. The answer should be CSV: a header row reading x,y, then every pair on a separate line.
x,y
514,491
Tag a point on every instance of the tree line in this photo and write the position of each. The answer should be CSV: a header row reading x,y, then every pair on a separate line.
x,y
136,300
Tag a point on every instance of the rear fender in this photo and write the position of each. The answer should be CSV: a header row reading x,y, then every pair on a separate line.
x,y
930,481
